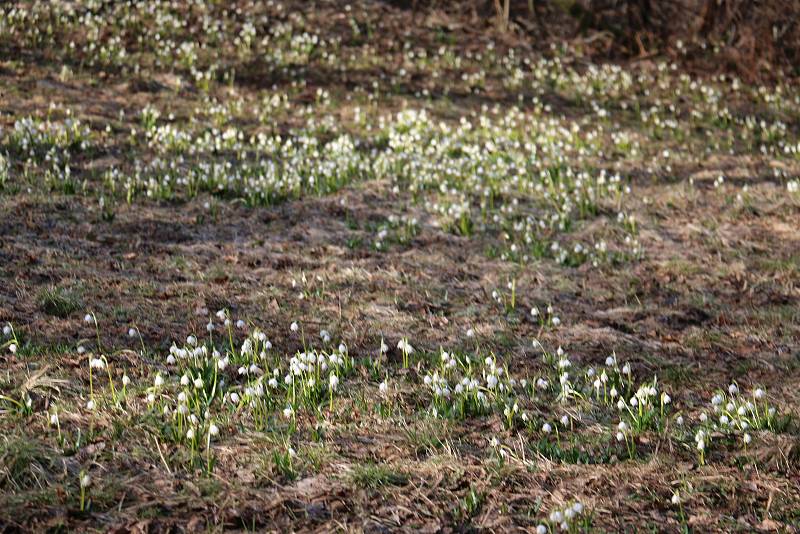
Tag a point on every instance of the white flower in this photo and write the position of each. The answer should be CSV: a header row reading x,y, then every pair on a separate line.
x,y
191,340
333,382
294,327
470,332
171,360
405,346
578,507
213,430
541,529
131,332
759,393
626,369
679,420
13,348
54,419
198,383
90,405
210,326
546,428
87,318
190,433
240,324
85,481
81,349
288,412
7,330
747,439
235,398
603,377
159,381
564,420
384,388
703,417
733,389
676,499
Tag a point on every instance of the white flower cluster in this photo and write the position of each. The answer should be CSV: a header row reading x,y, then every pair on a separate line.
x,y
563,518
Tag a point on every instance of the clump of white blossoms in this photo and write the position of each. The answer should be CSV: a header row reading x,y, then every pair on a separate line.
x,y
735,413
406,349
563,518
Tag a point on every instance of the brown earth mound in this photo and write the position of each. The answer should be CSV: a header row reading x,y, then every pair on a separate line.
x,y
759,40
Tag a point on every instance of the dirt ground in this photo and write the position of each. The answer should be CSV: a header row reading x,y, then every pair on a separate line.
x,y
713,298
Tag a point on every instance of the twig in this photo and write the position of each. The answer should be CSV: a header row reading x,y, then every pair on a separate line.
x,y
158,446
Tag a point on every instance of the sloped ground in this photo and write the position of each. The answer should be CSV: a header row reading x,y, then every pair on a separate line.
x,y
414,228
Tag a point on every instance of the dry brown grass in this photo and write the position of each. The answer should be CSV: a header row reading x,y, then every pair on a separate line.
x,y
715,299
